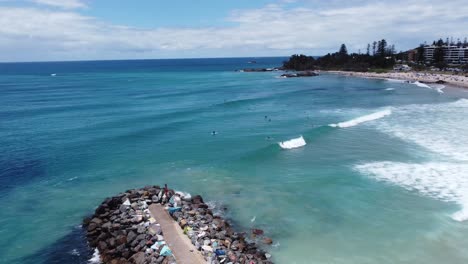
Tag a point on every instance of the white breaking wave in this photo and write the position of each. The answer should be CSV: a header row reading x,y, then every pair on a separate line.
x,y
438,88
363,119
440,129
443,181
396,80
293,143
96,259
389,89
422,85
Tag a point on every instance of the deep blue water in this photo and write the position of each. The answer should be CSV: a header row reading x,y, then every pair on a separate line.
x,y
388,187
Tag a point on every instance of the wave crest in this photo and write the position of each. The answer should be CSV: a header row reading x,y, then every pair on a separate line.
x,y
292,143
363,119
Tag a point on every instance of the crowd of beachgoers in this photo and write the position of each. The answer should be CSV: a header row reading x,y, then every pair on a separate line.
x,y
459,80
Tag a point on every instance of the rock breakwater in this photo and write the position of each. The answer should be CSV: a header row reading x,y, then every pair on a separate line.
x,y
123,230
299,74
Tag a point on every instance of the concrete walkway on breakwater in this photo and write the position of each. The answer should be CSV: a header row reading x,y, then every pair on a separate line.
x,y
181,246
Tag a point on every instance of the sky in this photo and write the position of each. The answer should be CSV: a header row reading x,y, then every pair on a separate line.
x,y
56,30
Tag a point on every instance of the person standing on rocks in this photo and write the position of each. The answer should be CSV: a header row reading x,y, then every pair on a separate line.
x,y
166,190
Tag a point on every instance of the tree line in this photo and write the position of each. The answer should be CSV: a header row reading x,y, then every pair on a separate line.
x,y
378,55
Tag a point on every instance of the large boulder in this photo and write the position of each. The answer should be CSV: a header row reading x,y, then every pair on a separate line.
x,y
138,258
197,199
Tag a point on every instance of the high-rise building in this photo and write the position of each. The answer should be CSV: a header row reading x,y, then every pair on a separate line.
x,y
453,55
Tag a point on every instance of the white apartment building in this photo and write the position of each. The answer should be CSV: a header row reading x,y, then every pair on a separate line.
x,y
452,54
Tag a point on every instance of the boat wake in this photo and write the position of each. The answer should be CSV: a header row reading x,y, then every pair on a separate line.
x,y
363,119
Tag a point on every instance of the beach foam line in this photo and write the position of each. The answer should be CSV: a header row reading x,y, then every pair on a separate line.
x,y
419,84
395,80
444,181
292,143
437,88
362,119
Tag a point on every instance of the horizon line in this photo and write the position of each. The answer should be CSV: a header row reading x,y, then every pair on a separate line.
x,y
190,58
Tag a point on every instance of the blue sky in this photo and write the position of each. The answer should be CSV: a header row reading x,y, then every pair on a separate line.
x,y
44,30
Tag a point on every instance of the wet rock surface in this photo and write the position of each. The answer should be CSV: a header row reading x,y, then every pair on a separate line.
x,y
299,74
122,230
260,69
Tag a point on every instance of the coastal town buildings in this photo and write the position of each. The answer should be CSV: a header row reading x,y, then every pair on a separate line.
x,y
453,55
412,55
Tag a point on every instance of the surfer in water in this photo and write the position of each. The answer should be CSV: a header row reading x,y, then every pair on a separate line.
x,y
214,133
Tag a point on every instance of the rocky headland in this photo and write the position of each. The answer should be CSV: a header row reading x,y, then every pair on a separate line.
x,y
260,69
299,74
123,230
293,74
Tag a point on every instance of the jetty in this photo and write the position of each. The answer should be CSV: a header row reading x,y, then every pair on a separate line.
x,y
160,225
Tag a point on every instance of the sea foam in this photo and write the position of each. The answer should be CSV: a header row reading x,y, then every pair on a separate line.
x,y
363,119
422,85
293,143
437,129
395,80
440,180
96,258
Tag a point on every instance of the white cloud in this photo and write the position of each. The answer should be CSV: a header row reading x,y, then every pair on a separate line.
x,y
39,34
66,4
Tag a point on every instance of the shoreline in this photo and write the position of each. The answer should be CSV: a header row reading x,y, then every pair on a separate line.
x,y
160,225
458,81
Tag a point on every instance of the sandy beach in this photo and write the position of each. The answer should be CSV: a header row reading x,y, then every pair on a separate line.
x,y
424,77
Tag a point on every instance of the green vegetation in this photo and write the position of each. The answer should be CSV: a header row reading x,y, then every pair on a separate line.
x,y
299,63
379,57
382,57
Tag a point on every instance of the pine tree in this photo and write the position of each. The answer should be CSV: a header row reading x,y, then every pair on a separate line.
x,y
420,50
439,57
343,50
374,46
368,49
392,49
382,48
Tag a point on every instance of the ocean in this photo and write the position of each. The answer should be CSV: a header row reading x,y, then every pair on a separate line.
x,y
382,177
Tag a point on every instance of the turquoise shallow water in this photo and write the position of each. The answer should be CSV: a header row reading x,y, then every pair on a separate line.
x,y
388,190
